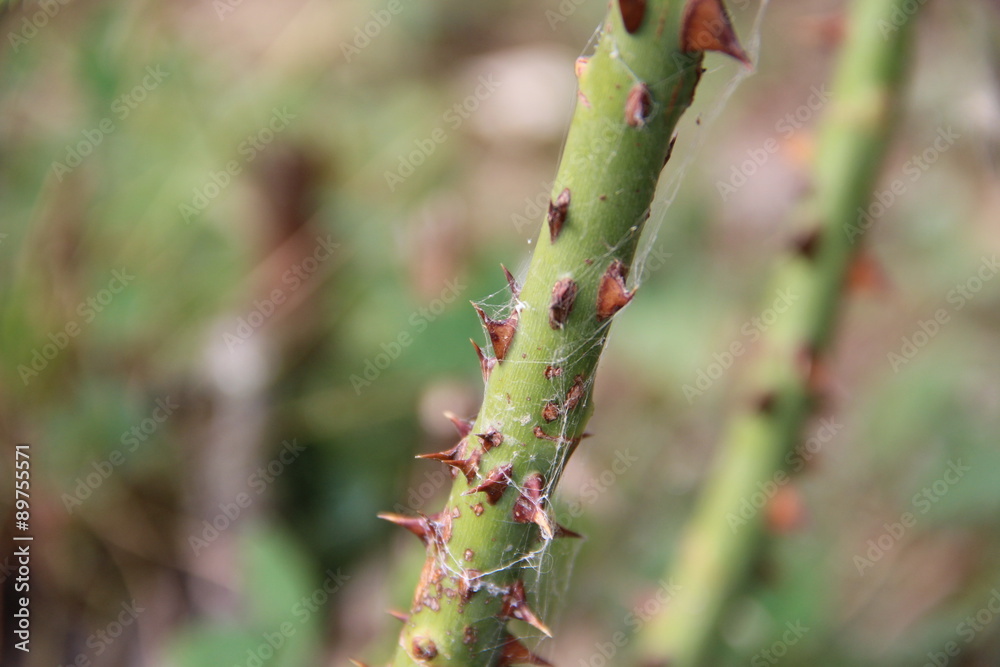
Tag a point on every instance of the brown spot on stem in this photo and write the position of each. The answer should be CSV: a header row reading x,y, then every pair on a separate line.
x,y
515,605
469,583
633,12
550,412
423,648
492,438
486,364
557,214
501,332
706,27
469,555
513,652
580,66
574,394
638,106
552,372
477,509
469,635
563,298
495,484
767,403
612,295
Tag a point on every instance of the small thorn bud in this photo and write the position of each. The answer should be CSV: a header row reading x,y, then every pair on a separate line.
x,y
464,426
638,106
501,332
633,12
470,635
515,289
486,364
557,214
612,295
563,298
552,372
550,412
581,66
513,652
495,484
417,525
423,648
478,509
515,605
706,27
492,438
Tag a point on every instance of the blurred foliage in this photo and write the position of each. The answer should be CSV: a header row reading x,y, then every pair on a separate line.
x,y
228,160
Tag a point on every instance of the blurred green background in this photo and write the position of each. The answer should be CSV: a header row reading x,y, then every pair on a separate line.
x,y
227,327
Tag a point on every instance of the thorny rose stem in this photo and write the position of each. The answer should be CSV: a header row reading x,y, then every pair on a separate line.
x,y
779,391
632,91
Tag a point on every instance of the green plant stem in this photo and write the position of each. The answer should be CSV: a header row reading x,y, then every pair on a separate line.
x,y
719,544
477,549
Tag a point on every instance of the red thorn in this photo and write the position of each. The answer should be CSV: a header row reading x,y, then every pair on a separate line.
x,y
638,106
612,295
492,438
486,364
785,510
865,274
468,466
513,652
464,426
562,531
633,12
495,484
401,615
423,648
501,332
417,525
563,298
557,214
445,455
515,605
706,27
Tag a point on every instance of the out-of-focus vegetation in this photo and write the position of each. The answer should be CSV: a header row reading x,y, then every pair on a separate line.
x,y
217,308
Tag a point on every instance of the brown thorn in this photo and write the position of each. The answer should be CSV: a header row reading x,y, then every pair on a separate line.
x,y
706,27
513,652
557,214
464,426
494,485
468,466
486,364
401,615
562,531
551,412
638,106
515,289
807,244
417,525
501,332
612,295
563,298
492,438
633,12
515,605
446,455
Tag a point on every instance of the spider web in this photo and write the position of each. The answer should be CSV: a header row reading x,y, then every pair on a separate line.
x,y
547,569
